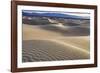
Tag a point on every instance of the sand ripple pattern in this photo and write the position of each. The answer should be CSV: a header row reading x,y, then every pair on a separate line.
x,y
45,50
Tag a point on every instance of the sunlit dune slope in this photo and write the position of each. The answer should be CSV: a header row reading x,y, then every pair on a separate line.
x,y
46,50
44,45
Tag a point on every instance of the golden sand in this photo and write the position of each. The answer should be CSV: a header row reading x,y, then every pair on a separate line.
x,y
74,47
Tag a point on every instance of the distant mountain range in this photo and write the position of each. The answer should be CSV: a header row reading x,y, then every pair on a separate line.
x,y
54,14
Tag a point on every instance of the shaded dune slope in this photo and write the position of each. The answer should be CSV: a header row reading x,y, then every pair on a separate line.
x,y
68,31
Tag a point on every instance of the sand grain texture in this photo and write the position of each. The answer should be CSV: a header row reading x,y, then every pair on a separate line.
x,y
43,50
40,44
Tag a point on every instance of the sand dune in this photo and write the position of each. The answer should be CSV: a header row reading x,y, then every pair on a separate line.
x,y
40,44
43,50
31,32
81,42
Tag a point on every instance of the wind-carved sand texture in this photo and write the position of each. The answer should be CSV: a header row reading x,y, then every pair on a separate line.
x,y
55,42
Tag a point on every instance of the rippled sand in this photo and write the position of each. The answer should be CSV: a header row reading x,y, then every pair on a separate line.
x,y
40,44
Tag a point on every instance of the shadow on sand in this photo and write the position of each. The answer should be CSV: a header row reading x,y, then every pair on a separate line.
x,y
70,28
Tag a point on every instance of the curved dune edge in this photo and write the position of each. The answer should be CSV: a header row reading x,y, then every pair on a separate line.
x,y
81,42
67,45
31,32
51,50
44,45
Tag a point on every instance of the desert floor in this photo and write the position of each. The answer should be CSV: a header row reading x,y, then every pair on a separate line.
x,y
40,44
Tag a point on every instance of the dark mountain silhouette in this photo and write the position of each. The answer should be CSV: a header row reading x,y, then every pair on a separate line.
x,y
58,15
